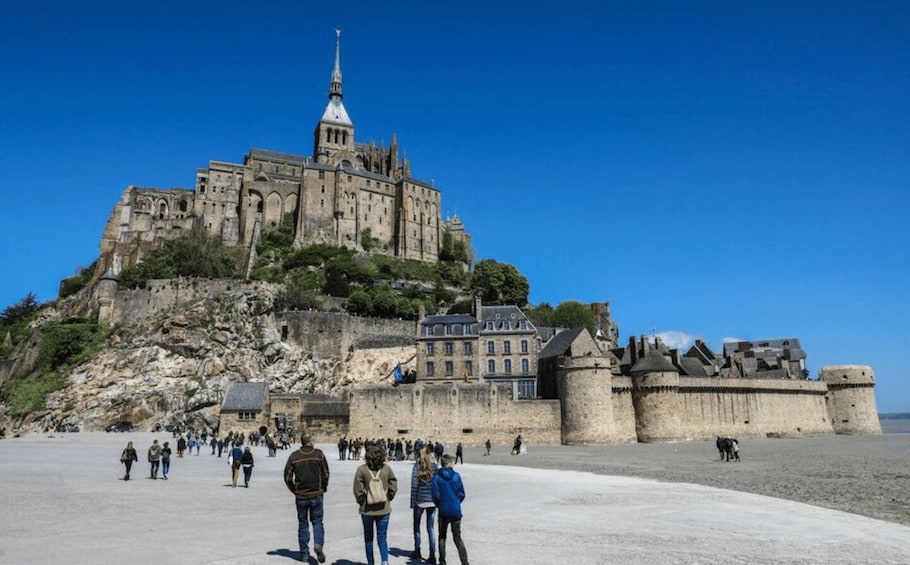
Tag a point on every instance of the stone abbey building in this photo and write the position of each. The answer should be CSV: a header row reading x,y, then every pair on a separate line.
x,y
345,192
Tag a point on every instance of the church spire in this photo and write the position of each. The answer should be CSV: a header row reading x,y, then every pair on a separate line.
x,y
335,87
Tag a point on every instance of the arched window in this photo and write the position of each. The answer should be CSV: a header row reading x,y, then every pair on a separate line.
x,y
162,210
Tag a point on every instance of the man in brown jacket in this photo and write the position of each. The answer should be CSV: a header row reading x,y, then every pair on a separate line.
x,y
306,474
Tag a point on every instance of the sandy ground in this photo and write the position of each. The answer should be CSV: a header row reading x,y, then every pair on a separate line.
x,y
867,475
62,500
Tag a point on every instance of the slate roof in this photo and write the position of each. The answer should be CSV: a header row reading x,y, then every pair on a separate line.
x,y
560,344
653,363
244,397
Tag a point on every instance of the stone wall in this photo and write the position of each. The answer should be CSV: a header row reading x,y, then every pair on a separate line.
x,y
711,407
452,413
335,334
131,306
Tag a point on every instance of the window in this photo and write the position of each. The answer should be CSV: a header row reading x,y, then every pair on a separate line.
x,y
469,368
507,366
491,348
507,346
524,346
246,416
506,325
522,324
450,348
525,366
450,368
430,349
491,367
527,389
468,348
431,367
448,329
322,174
488,326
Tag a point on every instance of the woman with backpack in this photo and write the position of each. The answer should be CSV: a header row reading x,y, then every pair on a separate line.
x,y
375,485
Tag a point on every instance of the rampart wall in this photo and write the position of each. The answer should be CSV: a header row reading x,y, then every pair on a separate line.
x,y
130,306
452,413
335,334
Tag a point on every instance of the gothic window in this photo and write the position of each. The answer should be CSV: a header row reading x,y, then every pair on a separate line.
x,y
259,206
344,138
162,210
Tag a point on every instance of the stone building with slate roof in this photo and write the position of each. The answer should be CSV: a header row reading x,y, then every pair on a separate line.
x,y
345,194
245,407
495,344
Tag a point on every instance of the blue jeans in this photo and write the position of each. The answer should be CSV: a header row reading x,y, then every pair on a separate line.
x,y
309,510
431,527
165,465
382,530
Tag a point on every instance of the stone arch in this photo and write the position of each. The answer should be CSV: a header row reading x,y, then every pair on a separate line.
x,y
272,215
254,204
290,203
162,209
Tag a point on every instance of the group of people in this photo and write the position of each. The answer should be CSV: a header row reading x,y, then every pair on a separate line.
x,y
435,488
396,450
159,457
728,448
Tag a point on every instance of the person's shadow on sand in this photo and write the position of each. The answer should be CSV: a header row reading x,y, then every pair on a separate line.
x,y
294,554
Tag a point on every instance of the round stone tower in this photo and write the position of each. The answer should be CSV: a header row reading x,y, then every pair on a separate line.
x,y
655,398
584,386
106,290
851,400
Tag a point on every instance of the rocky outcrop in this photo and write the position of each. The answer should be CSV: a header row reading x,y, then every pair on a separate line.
x,y
176,365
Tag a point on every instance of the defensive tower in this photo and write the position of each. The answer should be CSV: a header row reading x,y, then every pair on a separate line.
x,y
851,400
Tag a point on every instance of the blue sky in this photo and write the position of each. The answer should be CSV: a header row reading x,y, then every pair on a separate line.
x,y
712,169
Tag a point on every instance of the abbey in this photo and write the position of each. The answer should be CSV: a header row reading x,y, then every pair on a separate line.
x,y
347,193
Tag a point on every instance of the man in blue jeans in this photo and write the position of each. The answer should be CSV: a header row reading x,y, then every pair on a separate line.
x,y
448,494
306,474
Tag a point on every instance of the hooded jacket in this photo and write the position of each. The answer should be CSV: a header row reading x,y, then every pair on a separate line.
x,y
448,492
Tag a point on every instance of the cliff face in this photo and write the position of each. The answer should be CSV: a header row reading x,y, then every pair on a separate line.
x,y
177,364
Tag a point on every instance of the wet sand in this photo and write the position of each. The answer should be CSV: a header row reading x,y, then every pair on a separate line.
x,y
865,475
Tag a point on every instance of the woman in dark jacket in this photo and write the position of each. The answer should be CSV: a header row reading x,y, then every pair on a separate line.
x,y
375,513
127,457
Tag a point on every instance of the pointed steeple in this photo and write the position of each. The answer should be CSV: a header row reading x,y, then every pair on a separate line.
x,y
335,87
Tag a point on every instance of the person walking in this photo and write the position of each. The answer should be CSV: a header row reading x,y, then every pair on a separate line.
x,y
448,494
127,457
459,453
154,459
165,460
422,501
246,461
375,486
488,445
306,474
181,445
234,460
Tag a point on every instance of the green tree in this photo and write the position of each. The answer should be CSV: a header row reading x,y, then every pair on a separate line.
x,y
540,315
21,310
500,283
572,314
